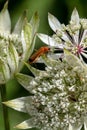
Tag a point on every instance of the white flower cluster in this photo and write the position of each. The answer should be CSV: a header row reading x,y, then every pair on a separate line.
x,y
59,95
72,37
5,40
60,98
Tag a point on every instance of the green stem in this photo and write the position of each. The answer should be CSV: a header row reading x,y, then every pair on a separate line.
x,y
5,109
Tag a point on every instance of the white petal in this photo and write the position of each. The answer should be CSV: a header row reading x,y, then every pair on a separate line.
x,y
5,22
35,71
65,37
81,58
23,42
19,25
18,104
55,56
49,61
75,17
83,37
26,37
24,80
12,58
27,34
75,127
49,40
31,123
53,22
85,123
75,36
84,54
70,58
35,24
23,125
4,72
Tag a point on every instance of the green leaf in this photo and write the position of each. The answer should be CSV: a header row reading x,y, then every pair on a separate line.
x,y
5,22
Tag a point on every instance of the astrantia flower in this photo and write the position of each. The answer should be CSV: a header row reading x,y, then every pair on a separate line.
x,y
72,37
58,98
15,46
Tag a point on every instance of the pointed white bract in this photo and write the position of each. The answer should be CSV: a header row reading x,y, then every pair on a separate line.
x,y
35,24
34,71
12,58
54,23
4,72
18,104
49,40
22,79
23,125
28,124
20,23
77,62
73,127
28,36
75,17
5,21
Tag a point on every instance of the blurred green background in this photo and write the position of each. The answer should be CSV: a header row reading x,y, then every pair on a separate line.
x,y
62,9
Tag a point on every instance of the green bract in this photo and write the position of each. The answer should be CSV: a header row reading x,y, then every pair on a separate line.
x,y
15,46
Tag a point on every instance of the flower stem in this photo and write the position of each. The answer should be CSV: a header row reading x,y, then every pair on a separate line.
x,y
5,109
